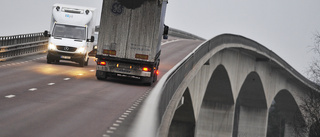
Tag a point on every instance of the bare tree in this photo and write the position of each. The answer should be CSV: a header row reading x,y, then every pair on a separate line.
x,y
311,113
311,103
314,68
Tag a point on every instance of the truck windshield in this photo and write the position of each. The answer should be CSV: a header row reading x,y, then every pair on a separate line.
x,y
67,31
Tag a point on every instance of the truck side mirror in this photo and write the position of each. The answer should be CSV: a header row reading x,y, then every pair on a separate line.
x,y
46,33
92,39
165,32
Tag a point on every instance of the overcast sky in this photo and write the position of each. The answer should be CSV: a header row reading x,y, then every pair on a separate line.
x,y
287,27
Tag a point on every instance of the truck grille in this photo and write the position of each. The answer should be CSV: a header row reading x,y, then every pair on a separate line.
x,y
66,48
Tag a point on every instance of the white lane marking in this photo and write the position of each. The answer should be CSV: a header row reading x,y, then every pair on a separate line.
x,y
66,79
33,89
50,84
109,131
167,42
92,70
116,125
126,114
10,96
80,74
113,128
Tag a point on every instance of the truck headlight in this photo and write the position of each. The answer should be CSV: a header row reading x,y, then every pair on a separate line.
x,y
51,46
81,50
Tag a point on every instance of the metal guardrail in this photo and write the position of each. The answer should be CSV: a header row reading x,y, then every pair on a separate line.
x,y
27,44
21,45
182,34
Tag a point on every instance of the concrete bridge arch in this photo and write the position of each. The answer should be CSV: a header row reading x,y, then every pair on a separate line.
x,y
229,83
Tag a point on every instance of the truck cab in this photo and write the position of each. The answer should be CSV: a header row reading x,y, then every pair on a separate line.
x,y
71,35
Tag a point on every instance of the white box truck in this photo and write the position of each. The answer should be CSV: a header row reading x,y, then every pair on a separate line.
x,y
71,38
130,37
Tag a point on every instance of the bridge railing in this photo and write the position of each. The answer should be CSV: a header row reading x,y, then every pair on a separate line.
x,y
154,107
21,45
182,34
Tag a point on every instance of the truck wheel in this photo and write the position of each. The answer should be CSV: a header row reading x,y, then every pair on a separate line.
x,y
49,61
82,62
87,62
149,81
155,78
101,78
101,75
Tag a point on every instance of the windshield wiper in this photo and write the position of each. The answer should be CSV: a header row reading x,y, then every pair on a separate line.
x,y
57,37
79,40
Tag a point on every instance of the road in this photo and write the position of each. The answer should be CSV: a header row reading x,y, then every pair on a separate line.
x,y
59,100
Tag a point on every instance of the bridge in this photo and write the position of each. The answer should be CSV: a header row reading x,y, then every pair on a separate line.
x,y
221,87
225,87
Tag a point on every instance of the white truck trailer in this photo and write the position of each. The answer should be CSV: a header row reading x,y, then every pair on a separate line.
x,y
71,38
129,39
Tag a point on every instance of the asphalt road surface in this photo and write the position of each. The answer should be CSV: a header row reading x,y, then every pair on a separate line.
x,y
63,100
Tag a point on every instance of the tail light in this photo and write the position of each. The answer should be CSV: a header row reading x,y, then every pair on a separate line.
x,y
103,63
146,69
157,72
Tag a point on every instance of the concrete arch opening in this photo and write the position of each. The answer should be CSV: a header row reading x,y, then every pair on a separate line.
x,y
285,119
183,122
251,111
217,108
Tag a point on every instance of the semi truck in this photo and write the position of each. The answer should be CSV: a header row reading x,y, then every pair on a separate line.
x,y
130,38
71,38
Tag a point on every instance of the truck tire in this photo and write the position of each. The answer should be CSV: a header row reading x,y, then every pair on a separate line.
x,y
87,62
155,78
148,81
82,62
49,61
100,78
101,75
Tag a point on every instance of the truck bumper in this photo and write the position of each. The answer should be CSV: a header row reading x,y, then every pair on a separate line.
x,y
55,55
103,75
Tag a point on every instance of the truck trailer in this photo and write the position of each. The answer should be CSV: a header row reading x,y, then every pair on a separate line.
x,y
71,38
130,38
